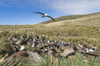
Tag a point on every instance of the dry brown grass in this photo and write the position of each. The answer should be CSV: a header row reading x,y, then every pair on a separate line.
x,y
85,28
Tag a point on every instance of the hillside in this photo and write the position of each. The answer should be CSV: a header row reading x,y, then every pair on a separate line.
x,y
86,29
71,17
74,29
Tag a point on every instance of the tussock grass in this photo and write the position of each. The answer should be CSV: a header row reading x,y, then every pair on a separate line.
x,y
77,60
86,29
84,34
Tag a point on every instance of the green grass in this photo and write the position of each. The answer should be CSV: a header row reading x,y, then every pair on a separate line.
x,y
71,17
86,29
77,60
84,34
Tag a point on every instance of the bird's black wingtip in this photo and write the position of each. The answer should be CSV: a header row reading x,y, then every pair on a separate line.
x,y
34,12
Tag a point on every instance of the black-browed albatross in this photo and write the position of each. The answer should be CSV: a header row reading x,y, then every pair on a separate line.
x,y
45,15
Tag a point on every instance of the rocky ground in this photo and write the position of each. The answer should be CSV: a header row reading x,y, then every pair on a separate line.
x,y
34,48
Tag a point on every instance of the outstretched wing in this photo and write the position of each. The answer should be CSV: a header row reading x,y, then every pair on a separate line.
x,y
51,18
39,13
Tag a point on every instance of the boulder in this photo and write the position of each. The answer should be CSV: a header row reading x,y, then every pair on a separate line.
x,y
34,56
19,41
14,39
67,52
31,56
16,55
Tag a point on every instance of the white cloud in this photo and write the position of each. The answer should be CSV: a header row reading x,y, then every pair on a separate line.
x,y
62,6
76,6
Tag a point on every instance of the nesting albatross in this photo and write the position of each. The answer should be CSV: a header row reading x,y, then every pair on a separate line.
x,y
45,15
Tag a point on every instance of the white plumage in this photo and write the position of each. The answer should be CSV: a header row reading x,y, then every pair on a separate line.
x,y
9,38
34,39
80,45
21,37
48,41
46,50
91,50
61,43
33,45
87,50
45,15
22,47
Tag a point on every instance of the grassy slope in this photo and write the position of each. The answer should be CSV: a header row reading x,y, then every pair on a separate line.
x,y
71,17
86,30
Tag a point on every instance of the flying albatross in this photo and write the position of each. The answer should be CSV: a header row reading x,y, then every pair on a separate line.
x,y
45,15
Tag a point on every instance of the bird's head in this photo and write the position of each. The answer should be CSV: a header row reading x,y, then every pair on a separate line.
x,y
93,48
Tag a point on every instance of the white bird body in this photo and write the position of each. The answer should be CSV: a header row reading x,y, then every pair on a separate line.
x,y
22,47
30,39
91,50
41,40
48,41
9,38
21,37
45,15
87,50
34,39
46,50
33,45
61,43
55,41
80,45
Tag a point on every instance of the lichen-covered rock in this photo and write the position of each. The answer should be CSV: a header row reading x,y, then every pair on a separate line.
x,y
67,52
16,55
34,56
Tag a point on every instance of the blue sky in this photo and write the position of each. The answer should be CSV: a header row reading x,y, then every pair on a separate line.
x,y
18,12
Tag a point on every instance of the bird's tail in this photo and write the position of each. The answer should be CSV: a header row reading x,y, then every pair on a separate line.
x,y
42,16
